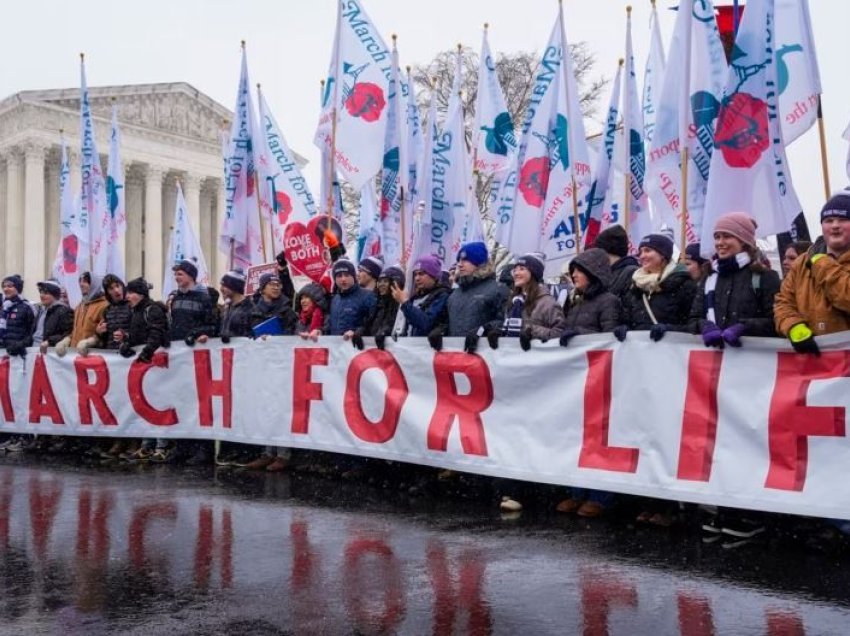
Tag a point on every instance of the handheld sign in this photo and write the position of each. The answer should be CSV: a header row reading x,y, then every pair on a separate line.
x,y
252,277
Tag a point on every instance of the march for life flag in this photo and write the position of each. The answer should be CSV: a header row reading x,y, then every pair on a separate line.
x,y
115,194
74,232
241,234
689,105
749,169
415,150
356,93
395,173
183,246
370,230
94,211
597,216
569,171
797,68
653,77
286,192
639,221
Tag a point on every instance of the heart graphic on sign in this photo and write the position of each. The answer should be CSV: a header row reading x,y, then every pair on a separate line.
x,y
304,248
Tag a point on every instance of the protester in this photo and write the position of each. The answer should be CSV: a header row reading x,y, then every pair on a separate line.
x,y
88,314
351,304
425,310
16,318
698,267
369,271
54,320
311,304
116,318
382,319
615,242
476,306
287,288
236,316
792,252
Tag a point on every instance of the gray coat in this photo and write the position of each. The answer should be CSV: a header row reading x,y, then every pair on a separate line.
x,y
478,301
546,320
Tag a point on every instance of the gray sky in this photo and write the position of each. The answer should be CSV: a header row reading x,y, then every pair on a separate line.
x,y
289,45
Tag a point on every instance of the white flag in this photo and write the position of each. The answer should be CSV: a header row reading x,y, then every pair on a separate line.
x,y
415,151
73,243
653,77
183,246
690,102
846,136
749,169
115,198
370,232
241,236
357,89
796,68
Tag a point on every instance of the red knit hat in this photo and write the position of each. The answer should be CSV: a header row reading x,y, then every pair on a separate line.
x,y
740,225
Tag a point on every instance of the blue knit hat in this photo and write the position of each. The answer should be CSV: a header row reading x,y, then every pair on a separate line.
x,y
475,253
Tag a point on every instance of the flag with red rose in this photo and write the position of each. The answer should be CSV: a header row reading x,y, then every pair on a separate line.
x,y
356,95
74,231
749,169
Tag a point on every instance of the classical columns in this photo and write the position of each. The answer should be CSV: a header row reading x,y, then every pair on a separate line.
x,y
51,198
134,200
34,222
192,192
222,259
153,228
14,228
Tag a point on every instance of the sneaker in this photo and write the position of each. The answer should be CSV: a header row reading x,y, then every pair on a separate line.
x,y
162,455
261,463
5,445
568,505
15,446
509,505
140,455
242,459
743,528
279,465
590,509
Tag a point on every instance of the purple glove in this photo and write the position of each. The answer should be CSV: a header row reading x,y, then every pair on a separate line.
x,y
732,335
712,335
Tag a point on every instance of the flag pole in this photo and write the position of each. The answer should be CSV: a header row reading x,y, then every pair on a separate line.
x,y
684,150
332,158
627,211
260,198
564,74
823,161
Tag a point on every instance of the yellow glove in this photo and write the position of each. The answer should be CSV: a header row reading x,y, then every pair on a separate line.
x,y
814,259
800,331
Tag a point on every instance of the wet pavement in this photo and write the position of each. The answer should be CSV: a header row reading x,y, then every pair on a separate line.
x,y
172,550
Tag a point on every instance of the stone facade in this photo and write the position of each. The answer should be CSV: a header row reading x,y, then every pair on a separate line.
x,y
169,133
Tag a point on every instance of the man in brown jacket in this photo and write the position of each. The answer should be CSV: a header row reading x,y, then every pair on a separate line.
x,y
88,314
814,298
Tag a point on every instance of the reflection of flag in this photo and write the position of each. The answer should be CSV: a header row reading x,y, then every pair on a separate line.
x,y
797,68
356,92
115,200
749,169
602,176
653,77
74,233
183,246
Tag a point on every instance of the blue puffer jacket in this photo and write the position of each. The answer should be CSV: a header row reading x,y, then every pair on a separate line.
x,y
350,308
16,323
478,301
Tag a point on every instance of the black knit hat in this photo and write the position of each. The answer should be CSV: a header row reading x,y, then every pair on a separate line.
x,y
533,264
50,286
395,274
343,266
838,205
267,278
16,281
234,280
372,265
613,240
660,243
139,286
188,267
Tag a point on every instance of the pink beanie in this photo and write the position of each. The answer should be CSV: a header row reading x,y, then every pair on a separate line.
x,y
740,225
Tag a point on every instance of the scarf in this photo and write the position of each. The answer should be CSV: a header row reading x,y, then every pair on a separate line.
x,y
724,267
650,283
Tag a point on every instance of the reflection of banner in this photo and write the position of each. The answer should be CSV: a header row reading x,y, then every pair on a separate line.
x,y
744,428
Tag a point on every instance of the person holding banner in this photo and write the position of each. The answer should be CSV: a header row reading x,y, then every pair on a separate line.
x,y
381,321
236,316
87,315
116,318
16,318
369,271
814,299
351,305
54,320
425,310
190,307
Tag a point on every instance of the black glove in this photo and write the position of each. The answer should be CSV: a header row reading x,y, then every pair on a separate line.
x,y
470,345
145,355
568,335
435,339
126,350
16,349
336,252
620,332
190,340
803,340
225,340
656,333
357,341
381,342
493,338
525,340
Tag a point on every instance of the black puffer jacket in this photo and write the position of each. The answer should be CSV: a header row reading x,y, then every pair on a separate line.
x,y
621,275
191,314
149,325
236,319
117,315
478,301
18,320
282,308
58,322
744,296
382,319
671,304
596,310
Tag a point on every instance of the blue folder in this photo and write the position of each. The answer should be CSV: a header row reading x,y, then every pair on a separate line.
x,y
270,327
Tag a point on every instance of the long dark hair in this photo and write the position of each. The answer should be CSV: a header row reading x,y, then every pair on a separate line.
x,y
534,293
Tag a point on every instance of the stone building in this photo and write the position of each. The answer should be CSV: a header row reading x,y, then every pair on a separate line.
x,y
169,133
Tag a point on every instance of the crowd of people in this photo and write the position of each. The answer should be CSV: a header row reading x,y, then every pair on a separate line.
x,y
604,289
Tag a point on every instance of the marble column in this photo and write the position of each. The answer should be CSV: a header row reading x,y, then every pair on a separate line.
x,y
51,196
134,200
222,259
153,229
192,193
34,216
3,190
14,227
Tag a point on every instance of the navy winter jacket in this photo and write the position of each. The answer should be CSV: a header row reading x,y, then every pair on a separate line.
x,y
17,320
350,309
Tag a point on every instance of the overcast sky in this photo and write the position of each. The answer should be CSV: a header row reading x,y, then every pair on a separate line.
x,y
289,45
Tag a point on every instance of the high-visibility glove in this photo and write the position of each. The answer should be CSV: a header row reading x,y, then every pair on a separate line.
x,y
62,346
712,335
568,335
357,341
732,335
620,332
803,340
381,342
656,333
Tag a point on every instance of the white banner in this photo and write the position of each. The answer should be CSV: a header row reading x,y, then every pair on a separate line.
x,y
758,427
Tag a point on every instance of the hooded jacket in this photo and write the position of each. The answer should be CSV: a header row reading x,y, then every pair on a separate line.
x,y
478,301
670,303
236,319
596,310
117,315
317,317
58,322
89,312
621,275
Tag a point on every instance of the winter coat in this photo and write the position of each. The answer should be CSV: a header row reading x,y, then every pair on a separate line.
x,y
425,312
478,301
58,322
149,325
818,295
236,319
671,304
89,313
596,309
382,319
17,320
736,300
621,275
350,309
309,321
282,308
191,314
317,318
545,320
117,317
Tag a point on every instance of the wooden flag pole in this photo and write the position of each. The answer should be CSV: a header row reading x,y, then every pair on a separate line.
x,y
823,161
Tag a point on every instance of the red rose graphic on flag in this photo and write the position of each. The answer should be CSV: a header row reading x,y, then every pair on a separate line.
x,y
741,133
283,207
70,247
534,180
366,101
